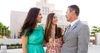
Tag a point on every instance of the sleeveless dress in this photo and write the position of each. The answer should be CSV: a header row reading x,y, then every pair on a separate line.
x,y
35,40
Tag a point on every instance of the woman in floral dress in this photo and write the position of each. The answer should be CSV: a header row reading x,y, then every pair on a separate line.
x,y
53,35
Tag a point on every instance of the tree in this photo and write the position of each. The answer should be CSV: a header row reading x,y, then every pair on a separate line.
x,y
4,31
95,30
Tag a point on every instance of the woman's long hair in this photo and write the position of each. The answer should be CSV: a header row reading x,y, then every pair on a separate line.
x,y
30,22
48,28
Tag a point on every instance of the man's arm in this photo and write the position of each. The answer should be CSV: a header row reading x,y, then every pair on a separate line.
x,y
83,39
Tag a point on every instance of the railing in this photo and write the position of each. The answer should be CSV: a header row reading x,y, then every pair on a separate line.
x,y
10,41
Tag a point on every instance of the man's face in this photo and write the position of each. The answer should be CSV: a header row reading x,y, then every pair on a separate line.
x,y
69,15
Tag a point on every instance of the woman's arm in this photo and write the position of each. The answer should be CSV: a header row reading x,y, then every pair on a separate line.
x,y
24,43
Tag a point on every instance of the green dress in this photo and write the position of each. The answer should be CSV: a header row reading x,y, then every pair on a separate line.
x,y
35,40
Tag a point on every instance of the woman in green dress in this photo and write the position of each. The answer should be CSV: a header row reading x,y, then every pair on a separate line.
x,y
31,33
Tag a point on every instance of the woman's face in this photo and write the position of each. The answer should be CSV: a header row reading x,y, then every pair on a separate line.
x,y
39,17
54,20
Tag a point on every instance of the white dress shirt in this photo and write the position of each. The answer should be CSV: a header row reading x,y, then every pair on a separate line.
x,y
72,23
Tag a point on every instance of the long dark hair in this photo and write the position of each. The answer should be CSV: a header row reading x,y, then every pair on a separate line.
x,y
30,22
48,28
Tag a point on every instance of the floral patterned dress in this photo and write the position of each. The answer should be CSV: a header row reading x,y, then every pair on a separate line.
x,y
54,45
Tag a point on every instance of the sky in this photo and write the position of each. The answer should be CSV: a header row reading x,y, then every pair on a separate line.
x,y
89,9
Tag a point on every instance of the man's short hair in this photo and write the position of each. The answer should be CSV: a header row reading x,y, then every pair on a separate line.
x,y
75,8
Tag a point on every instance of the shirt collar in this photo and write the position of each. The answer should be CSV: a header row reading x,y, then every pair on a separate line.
x,y
72,23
